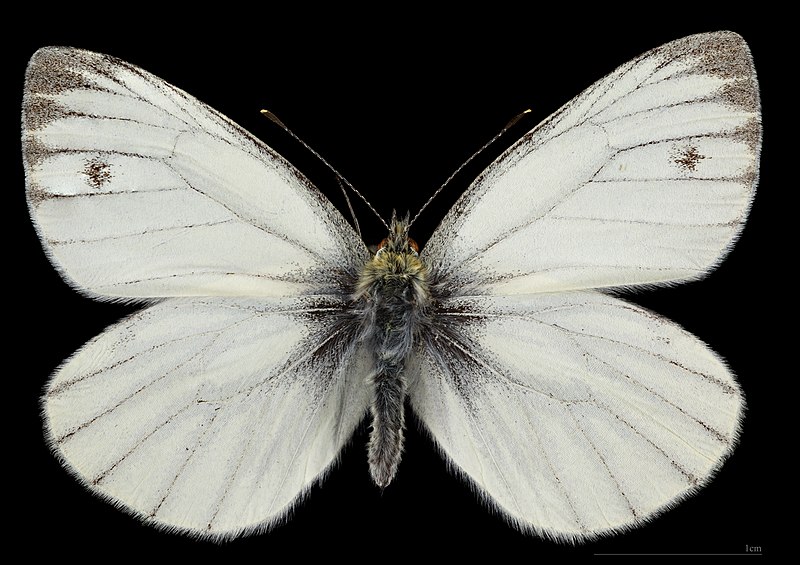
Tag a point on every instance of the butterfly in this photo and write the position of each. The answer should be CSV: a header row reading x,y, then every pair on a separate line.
x,y
271,331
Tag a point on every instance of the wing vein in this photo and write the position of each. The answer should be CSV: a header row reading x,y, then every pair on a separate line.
x,y
316,409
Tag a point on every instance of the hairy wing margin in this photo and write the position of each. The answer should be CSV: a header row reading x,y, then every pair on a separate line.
x,y
575,414
210,417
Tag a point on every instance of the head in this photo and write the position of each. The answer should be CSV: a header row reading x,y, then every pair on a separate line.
x,y
396,269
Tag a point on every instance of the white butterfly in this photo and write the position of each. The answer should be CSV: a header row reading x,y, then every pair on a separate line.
x,y
214,409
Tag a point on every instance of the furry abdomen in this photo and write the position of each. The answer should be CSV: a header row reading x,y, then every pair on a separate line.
x,y
392,296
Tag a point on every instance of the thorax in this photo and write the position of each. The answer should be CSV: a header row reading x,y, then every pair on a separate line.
x,y
391,296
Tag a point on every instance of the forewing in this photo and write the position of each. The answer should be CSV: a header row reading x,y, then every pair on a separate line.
x,y
139,190
644,178
575,413
209,416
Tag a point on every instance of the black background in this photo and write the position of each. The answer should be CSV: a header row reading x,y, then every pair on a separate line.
x,y
396,101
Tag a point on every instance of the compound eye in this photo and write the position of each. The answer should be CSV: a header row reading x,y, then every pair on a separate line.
x,y
413,245
382,246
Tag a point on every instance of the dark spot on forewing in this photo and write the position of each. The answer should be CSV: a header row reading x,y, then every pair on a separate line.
x,y
97,172
687,158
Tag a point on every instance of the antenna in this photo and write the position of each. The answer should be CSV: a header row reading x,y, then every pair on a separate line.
x,y
507,127
342,181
